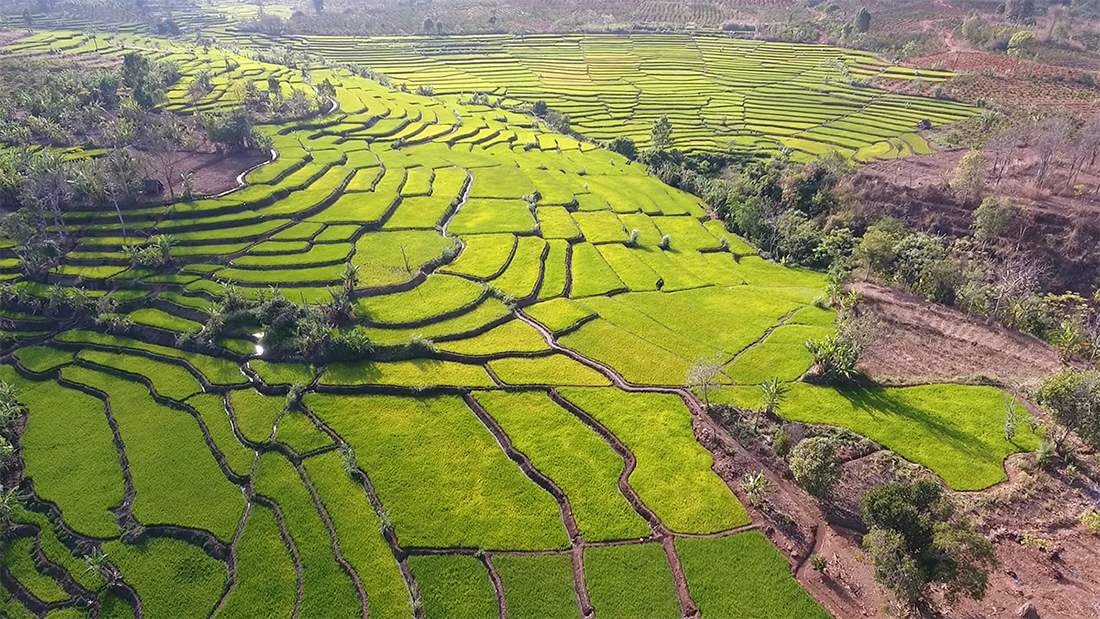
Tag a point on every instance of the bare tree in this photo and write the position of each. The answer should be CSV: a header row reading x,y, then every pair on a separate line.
x,y
1084,149
1051,135
999,149
164,139
703,375
1013,278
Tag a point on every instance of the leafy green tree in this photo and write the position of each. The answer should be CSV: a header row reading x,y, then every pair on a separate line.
x,y
625,147
1073,399
773,391
916,538
815,465
661,135
992,218
969,177
235,131
895,568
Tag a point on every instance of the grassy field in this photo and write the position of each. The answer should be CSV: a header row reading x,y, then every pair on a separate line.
x,y
406,479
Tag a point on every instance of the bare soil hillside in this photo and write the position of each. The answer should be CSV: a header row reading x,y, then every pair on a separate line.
x,y
1059,222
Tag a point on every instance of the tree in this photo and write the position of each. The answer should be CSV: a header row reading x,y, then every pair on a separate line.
x,y
992,218
28,20
1061,23
429,25
121,181
163,138
915,538
976,30
1050,136
815,465
661,135
702,376
235,131
863,20
275,87
773,392
895,569
1073,399
969,178
200,86
319,6
625,147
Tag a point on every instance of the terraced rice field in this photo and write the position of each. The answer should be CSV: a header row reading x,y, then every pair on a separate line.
x,y
720,93
537,459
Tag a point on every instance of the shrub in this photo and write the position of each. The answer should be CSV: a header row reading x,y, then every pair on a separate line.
x,y
819,563
10,409
1045,453
815,465
834,357
755,487
1090,519
12,501
7,451
781,440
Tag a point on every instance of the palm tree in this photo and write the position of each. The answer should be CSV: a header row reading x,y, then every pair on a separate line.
x,y
774,391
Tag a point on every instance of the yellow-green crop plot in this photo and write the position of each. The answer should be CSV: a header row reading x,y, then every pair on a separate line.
x,y
718,92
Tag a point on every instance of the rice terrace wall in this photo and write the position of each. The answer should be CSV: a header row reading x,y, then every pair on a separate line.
x,y
719,92
529,448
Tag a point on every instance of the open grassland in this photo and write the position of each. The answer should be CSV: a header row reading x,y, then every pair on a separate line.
x,y
485,446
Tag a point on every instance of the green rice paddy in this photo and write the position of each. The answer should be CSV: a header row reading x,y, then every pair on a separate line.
x,y
488,454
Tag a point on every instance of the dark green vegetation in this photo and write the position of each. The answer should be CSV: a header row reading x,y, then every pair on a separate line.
x,y
916,539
